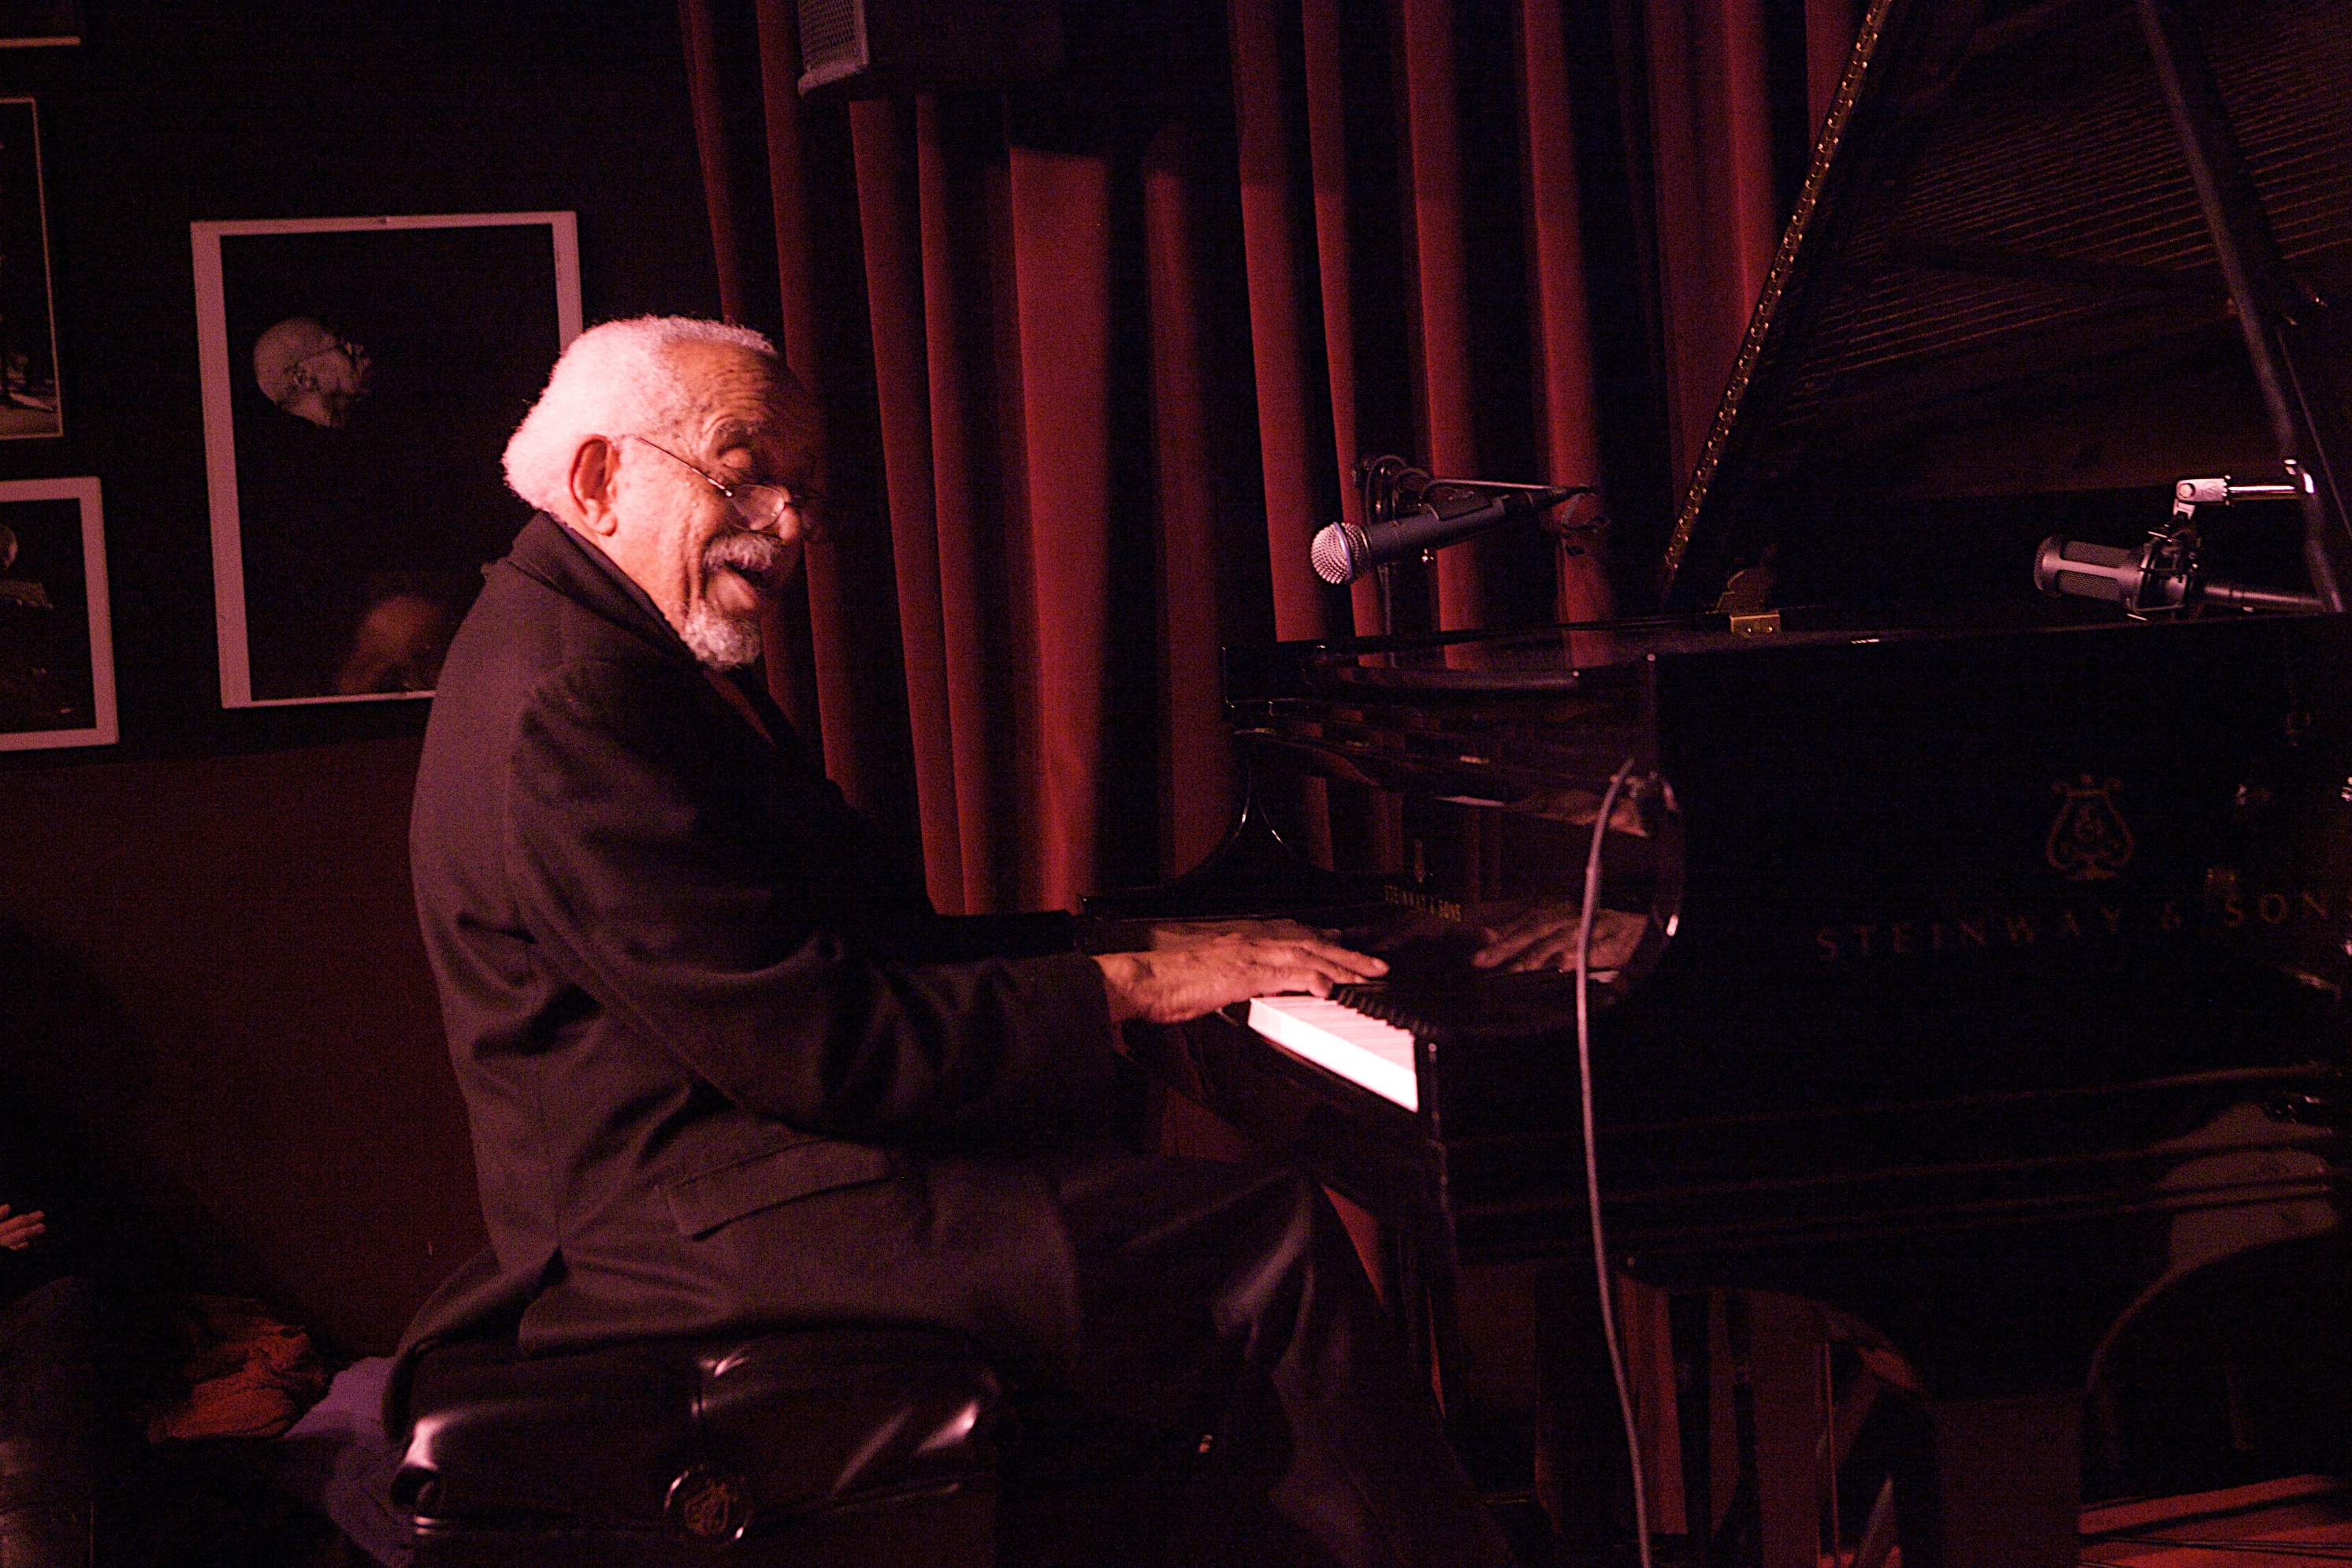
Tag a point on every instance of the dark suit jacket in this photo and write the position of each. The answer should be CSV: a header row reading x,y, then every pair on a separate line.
x,y
719,1066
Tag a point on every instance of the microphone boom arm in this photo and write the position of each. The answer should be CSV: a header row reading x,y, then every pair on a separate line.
x,y
1403,516
2165,576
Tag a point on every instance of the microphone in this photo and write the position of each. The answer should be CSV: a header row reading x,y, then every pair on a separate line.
x,y
2089,571
2159,576
1341,551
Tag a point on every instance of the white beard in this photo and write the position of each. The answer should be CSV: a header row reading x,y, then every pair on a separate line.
x,y
720,641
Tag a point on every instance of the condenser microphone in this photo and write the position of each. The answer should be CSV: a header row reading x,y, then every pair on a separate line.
x,y
1341,551
2150,580
2089,571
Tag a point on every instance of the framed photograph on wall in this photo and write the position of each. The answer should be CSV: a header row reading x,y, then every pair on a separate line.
x,y
361,377
57,641
29,331
32,24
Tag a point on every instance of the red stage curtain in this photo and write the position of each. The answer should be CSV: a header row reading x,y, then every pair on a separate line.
x,y
1099,357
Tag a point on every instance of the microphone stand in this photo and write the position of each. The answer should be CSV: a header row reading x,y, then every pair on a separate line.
x,y
2164,577
1389,488
1376,481
1380,482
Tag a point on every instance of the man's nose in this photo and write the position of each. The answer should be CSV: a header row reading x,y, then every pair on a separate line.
x,y
788,524
797,524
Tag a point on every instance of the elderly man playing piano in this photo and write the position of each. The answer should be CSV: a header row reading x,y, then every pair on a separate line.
x,y
726,1066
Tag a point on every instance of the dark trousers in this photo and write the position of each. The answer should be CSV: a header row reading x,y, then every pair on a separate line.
x,y
1241,1397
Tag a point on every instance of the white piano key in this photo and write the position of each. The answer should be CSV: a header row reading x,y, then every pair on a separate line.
x,y
1336,1038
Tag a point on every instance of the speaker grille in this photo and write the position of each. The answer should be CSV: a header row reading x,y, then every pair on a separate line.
x,y
832,41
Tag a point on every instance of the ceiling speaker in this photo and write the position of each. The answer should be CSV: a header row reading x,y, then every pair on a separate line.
x,y
884,48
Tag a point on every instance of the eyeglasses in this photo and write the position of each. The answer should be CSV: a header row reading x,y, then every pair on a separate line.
x,y
759,506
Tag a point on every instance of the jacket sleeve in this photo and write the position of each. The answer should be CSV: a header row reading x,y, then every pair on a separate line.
x,y
663,868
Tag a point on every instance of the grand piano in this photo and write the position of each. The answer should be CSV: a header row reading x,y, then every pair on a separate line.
x,y
1991,941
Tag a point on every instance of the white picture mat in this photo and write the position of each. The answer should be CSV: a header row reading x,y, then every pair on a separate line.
x,y
214,369
103,731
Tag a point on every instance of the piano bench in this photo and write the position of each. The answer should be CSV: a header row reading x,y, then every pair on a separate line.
x,y
772,1450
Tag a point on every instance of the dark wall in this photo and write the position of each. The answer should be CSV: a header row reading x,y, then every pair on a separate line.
x,y
218,981
224,893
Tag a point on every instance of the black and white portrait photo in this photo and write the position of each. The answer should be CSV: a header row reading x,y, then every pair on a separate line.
x,y
360,379
57,644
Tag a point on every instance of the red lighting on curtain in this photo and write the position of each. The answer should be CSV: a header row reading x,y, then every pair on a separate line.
x,y
1099,357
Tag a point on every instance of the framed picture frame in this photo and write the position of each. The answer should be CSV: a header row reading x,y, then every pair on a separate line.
x,y
35,24
359,378
57,632
29,409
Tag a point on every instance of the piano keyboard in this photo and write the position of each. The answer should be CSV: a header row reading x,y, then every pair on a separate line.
x,y
1336,1038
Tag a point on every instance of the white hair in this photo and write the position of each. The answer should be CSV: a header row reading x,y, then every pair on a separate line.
x,y
618,378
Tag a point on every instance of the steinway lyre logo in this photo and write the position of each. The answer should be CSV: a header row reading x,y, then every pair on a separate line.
x,y
2090,841
711,1504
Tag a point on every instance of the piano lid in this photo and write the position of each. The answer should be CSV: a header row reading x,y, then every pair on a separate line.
x,y
2051,256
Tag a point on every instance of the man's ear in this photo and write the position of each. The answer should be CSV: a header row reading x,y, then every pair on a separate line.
x,y
594,485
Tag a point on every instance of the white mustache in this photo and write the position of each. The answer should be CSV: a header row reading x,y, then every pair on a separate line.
x,y
755,557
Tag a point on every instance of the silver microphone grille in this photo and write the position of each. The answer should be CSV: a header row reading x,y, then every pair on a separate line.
x,y
1336,552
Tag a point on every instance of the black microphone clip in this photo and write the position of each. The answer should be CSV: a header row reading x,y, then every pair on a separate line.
x,y
1409,513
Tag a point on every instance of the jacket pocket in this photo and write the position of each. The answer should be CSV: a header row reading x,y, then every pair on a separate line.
x,y
700,1204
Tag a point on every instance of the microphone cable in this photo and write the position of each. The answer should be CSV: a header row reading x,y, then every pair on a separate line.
x,y
1609,1330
